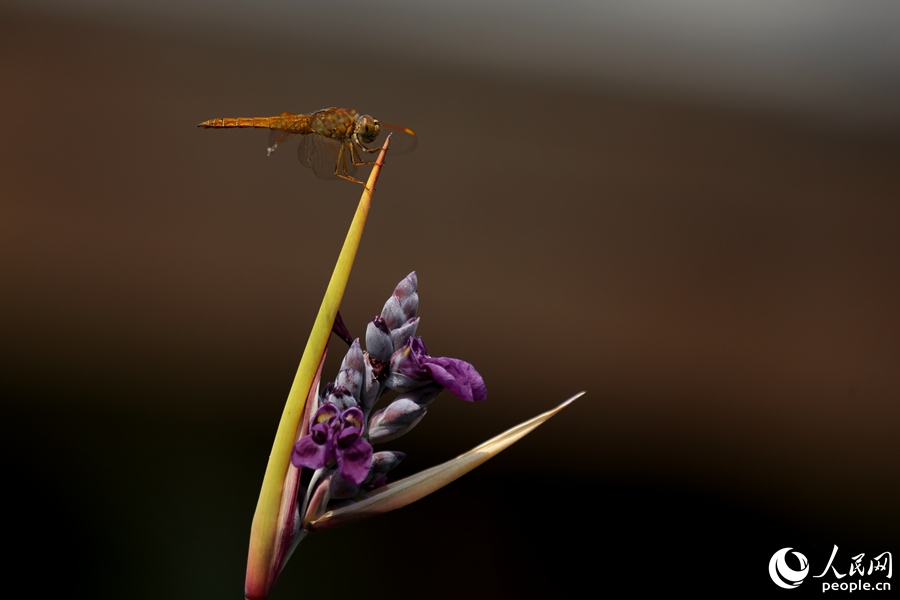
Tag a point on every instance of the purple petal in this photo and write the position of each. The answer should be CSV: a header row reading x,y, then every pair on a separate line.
x,y
354,460
325,413
352,419
458,376
406,364
314,449
307,453
320,432
408,359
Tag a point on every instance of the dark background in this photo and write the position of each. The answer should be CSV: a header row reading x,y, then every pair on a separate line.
x,y
717,269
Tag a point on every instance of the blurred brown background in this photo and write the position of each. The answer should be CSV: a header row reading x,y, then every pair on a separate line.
x,y
702,237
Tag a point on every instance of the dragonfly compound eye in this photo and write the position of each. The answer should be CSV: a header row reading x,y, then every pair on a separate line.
x,y
368,129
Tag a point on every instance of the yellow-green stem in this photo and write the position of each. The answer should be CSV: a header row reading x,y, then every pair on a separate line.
x,y
262,560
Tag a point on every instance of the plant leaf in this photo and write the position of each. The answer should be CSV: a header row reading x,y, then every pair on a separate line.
x,y
408,490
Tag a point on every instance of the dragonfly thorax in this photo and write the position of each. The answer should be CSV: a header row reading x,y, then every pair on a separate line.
x,y
366,129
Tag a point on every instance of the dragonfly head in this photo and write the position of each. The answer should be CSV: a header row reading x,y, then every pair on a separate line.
x,y
367,129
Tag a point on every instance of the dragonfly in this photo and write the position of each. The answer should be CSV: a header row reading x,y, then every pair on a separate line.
x,y
335,140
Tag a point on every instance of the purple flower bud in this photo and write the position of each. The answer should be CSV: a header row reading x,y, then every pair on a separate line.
x,y
401,383
341,489
400,336
405,374
423,395
398,418
382,463
403,303
378,340
340,397
352,370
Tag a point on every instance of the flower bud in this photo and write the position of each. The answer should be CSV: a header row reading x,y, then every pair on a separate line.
x,y
423,395
382,463
341,489
352,370
406,372
403,303
412,367
379,340
398,418
400,335
369,394
341,398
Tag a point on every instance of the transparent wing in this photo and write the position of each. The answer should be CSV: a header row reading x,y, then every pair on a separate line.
x,y
320,154
403,139
285,127
277,137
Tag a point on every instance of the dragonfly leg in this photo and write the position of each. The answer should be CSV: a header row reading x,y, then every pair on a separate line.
x,y
353,179
341,165
355,157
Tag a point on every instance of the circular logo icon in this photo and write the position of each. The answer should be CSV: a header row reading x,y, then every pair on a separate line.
x,y
782,574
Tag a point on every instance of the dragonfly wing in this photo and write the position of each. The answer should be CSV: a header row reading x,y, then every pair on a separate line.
x,y
403,139
320,154
277,137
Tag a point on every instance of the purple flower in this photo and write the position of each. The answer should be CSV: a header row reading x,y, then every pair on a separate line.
x,y
412,367
335,435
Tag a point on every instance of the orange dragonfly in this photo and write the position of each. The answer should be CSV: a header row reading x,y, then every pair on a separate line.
x,y
334,139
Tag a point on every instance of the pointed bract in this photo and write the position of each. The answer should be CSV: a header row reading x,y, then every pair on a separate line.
x,y
406,491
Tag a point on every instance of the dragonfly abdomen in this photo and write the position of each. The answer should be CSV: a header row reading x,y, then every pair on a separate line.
x,y
258,122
